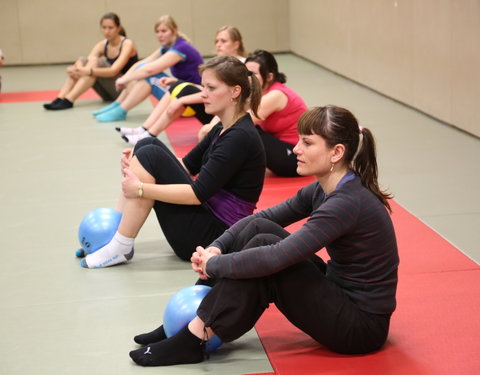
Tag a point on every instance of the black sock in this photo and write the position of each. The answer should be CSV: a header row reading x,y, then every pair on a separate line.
x,y
49,105
147,338
61,104
182,348
66,103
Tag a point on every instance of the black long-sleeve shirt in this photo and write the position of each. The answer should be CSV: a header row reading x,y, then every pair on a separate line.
x,y
353,226
233,161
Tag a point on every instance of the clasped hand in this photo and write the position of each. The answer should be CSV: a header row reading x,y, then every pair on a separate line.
x,y
77,72
200,258
125,160
130,184
167,81
120,83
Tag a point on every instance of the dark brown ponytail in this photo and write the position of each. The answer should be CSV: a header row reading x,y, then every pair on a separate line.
x,y
116,20
230,70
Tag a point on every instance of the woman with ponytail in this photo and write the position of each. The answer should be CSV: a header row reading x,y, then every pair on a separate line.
x,y
176,53
278,114
228,166
109,60
184,95
344,304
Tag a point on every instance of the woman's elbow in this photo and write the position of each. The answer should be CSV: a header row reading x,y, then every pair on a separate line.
x,y
148,71
195,202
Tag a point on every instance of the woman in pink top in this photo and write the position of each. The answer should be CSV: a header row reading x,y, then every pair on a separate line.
x,y
279,111
278,114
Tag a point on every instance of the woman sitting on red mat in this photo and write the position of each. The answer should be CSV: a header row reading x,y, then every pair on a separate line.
x,y
345,304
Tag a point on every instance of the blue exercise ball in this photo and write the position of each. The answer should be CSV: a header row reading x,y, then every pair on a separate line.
x,y
97,229
182,308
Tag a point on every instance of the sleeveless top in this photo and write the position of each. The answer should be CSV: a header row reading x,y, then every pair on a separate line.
x,y
283,124
132,60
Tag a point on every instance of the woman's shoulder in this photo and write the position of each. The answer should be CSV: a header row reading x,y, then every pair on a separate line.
x,y
100,46
243,129
278,90
277,86
127,41
353,195
245,125
130,44
181,43
283,88
188,49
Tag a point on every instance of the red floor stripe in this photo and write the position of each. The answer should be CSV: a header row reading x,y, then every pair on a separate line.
x,y
39,96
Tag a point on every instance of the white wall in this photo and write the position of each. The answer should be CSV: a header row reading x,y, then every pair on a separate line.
x,y
425,53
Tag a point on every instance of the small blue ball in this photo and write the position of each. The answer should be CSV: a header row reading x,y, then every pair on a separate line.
x,y
97,228
182,308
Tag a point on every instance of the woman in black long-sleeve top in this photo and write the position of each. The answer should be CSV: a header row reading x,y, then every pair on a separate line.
x,y
229,166
344,304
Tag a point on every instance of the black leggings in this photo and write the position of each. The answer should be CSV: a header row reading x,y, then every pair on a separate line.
x,y
280,157
302,292
184,226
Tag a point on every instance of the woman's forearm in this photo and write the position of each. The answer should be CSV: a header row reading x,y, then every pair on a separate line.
x,y
172,193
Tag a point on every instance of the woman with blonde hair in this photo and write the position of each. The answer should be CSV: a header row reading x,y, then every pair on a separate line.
x,y
229,42
185,95
176,54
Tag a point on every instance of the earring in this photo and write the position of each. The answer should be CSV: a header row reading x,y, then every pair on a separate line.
x,y
331,168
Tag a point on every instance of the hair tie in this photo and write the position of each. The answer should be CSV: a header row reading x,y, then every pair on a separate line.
x,y
250,73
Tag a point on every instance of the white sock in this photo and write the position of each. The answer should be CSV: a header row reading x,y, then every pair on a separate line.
x,y
118,250
132,131
133,139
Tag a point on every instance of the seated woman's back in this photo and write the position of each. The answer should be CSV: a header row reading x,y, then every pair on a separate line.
x,y
279,111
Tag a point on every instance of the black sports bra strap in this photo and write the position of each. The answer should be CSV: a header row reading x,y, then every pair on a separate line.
x,y
119,51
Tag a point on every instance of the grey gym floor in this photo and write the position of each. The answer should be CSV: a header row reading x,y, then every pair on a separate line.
x,y
57,318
